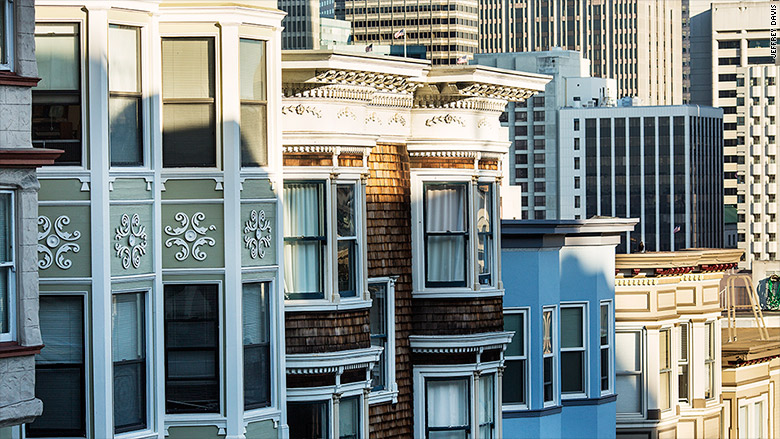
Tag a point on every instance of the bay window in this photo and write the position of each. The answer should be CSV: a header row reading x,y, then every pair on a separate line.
x,y
349,418
309,420
665,364
548,356
628,373
7,258
191,348
446,233
124,96
257,345
381,319
189,105
447,408
485,233
456,403
709,359
6,34
515,359
312,417
573,359
605,344
254,136
682,364
59,368
323,240
128,352
56,109
487,401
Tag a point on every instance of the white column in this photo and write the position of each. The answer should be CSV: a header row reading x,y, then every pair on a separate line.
x,y
102,412
697,371
231,147
653,368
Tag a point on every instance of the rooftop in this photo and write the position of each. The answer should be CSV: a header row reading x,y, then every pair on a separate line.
x,y
749,348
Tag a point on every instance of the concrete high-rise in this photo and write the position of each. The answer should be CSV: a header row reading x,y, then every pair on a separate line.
x,y
637,42
447,29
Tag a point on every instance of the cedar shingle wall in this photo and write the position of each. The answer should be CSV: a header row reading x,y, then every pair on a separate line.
x,y
457,316
312,332
298,159
388,204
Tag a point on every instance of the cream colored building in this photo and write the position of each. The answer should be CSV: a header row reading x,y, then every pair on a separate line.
x,y
668,342
744,84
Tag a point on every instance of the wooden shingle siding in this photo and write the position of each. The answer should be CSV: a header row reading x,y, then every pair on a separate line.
x,y
457,316
442,162
352,160
299,159
313,332
388,205
489,165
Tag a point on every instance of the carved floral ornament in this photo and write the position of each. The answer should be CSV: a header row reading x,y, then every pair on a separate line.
x,y
54,242
132,240
190,236
301,110
254,238
445,119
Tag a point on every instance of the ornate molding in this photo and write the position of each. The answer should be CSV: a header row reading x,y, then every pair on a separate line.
x,y
346,112
397,118
301,110
190,236
484,122
372,117
132,237
253,234
445,119
380,81
323,149
55,239
636,282
458,154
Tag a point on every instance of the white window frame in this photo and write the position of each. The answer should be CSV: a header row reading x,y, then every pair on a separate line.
x,y
7,43
469,371
327,394
149,340
750,406
666,370
684,362
583,306
472,288
390,393
609,346
271,285
710,325
525,312
11,265
332,300
641,353
554,334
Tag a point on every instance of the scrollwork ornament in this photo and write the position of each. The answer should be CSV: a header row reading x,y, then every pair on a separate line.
x,y
254,237
447,119
132,237
54,242
190,236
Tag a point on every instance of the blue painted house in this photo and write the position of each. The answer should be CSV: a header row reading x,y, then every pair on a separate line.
x,y
559,377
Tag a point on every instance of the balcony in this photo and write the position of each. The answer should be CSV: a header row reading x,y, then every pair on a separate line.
x,y
756,208
771,130
756,169
755,110
771,169
756,189
771,208
771,227
771,149
771,247
771,90
771,188
771,110
755,227
755,90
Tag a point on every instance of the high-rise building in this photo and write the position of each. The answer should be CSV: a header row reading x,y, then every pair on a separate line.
x,y
660,164
742,79
637,42
447,29
302,23
533,124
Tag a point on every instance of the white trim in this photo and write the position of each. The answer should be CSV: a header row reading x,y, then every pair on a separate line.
x,y
7,43
460,343
390,392
329,362
554,335
12,287
610,346
525,312
327,394
583,306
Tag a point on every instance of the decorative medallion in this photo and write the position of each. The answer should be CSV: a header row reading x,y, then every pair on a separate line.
x,y
447,118
346,112
190,236
372,117
483,122
55,239
397,118
300,110
132,240
253,234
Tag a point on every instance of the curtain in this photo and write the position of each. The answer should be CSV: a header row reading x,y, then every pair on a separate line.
x,y
252,53
445,212
123,59
188,68
57,53
448,404
302,271
61,323
486,406
127,327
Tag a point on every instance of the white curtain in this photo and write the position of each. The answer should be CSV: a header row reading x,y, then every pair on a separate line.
x,y
123,59
255,313
127,327
61,328
486,406
445,212
302,218
448,404
57,53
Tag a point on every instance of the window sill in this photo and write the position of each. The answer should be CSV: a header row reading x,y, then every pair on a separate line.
x,y
10,349
445,293
12,79
581,395
140,434
324,305
383,396
28,157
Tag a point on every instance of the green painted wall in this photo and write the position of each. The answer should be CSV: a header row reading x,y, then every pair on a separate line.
x,y
191,189
68,228
128,254
257,189
258,228
261,430
197,231
62,189
131,189
194,433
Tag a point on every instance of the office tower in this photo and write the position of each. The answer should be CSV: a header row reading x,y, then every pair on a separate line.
x,y
533,124
659,164
448,30
302,23
743,81
637,42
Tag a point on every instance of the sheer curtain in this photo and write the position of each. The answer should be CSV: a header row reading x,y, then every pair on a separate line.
x,y
302,271
448,406
486,406
446,224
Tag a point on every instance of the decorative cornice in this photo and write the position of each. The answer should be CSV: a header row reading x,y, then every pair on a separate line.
x,y
28,157
15,80
321,91
458,101
449,154
323,149
635,281
689,259
332,362
445,344
379,81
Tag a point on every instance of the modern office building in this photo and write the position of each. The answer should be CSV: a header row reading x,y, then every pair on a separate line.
x,y
448,30
659,164
20,336
301,24
533,124
668,343
559,376
636,42
742,80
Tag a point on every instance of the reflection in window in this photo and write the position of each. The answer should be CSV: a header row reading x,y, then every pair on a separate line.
x,y
548,356
124,96
254,140
256,321
347,240
485,233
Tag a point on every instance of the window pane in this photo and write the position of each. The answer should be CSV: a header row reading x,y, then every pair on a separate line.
x,y
57,54
605,369
604,328
125,131
128,334
123,59
627,357
189,135
6,222
513,382
188,68
446,258
484,229
257,351
629,396
129,397
547,336
663,343
445,206
514,322
571,327
346,268
486,406
349,417
254,145
377,319
311,420
571,372
252,69
62,330
548,379
447,403
4,300
127,327
345,210
485,207
304,240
